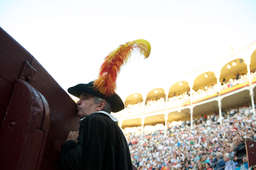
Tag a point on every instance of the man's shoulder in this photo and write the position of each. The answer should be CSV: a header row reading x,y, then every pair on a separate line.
x,y
100,120
95,120
97,116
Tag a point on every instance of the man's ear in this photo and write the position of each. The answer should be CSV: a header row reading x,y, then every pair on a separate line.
x,y
100,106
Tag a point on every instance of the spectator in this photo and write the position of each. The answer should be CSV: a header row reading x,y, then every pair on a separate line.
x,y
229,164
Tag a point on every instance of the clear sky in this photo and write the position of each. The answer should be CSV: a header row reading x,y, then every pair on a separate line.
x,y
188,37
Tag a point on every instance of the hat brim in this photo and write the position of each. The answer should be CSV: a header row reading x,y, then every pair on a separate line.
x,y
114,100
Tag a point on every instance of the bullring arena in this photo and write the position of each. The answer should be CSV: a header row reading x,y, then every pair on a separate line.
x,y
196,125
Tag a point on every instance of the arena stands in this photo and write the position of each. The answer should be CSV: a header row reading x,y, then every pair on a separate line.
x,y
208,144
200,125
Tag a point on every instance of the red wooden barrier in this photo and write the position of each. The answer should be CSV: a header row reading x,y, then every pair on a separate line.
x,y
24,83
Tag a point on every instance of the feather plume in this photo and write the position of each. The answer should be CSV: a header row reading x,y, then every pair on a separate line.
x,y
106,82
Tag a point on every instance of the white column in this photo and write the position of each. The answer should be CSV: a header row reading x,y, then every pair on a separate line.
x,y
191,107
191,116
252,100
220,110
166,123
219,97
251,87
142,127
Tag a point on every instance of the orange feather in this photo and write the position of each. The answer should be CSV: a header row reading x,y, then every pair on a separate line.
x,y
106,82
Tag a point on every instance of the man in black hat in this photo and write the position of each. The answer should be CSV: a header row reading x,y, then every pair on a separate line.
x,y
100,144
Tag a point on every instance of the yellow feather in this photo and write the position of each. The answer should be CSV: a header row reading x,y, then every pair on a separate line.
x,y
144,46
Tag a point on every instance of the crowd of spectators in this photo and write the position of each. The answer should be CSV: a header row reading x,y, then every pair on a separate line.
x,y
209,90
233,82
211,144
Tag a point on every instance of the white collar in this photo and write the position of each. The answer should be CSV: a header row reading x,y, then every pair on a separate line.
x,y
82,118
105,113
108,114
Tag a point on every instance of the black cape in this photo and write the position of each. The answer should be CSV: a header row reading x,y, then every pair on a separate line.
x,y
101,146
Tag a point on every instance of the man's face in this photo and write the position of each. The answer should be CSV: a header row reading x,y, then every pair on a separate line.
x,y
86,105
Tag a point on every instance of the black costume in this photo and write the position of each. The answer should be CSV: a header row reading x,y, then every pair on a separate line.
x,y
101,146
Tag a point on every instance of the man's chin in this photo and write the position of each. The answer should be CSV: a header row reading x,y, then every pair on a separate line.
x,y
80,115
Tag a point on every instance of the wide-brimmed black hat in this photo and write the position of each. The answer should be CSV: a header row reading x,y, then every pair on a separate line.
x,y
114,100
